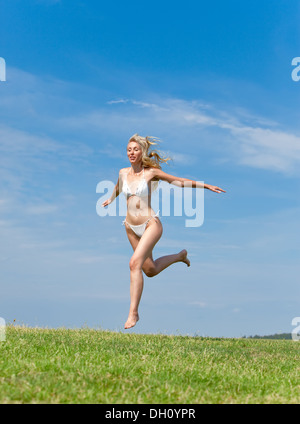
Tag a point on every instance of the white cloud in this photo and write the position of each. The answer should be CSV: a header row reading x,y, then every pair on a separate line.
x,y
111,102
20,142
235,135
267,148
247,139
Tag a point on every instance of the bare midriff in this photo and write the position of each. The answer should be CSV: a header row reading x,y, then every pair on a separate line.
x,y
138,209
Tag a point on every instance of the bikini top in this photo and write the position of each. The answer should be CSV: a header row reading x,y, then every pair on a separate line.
x,y
141,190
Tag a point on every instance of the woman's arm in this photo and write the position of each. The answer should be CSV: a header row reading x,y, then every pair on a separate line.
x,y
183,182
115,193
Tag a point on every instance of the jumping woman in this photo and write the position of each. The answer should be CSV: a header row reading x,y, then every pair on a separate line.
x,y
143,226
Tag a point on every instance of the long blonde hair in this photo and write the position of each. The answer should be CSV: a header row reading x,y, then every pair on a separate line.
x,y
150,158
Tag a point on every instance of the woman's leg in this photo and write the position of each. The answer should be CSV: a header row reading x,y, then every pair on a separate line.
x,y
143,260
153,267
142,251
163,262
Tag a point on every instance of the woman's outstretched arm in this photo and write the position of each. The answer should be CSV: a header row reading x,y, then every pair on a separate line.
x,y
183,182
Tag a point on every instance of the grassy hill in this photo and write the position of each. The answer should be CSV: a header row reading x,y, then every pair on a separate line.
x,y
92,366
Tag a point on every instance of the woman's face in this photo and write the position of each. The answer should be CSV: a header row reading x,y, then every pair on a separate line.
x,y
134,152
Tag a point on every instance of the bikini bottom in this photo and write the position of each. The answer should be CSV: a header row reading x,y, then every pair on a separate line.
x,y
140,229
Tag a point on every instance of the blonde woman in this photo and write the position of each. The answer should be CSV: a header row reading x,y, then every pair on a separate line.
x,y
143,226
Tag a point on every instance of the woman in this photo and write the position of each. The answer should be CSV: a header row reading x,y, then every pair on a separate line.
x,y
143,227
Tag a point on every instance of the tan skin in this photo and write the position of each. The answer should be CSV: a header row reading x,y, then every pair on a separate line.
x,y
142,259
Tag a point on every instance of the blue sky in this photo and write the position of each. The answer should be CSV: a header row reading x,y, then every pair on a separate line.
x,y
213,82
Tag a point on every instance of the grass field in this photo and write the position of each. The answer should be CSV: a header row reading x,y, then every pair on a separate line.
x,y
93,366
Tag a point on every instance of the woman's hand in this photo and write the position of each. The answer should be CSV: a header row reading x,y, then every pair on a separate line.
x,y
214,188
106,203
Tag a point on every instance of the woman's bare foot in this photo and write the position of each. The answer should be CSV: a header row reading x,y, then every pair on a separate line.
x,y
184,258
131,321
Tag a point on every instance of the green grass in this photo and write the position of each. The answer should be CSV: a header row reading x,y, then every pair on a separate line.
x,y
92,366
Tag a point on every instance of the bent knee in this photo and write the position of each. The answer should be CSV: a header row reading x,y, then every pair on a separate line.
x,y
150,272
134,264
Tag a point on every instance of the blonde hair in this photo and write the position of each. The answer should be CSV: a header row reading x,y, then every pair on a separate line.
x,y
150,158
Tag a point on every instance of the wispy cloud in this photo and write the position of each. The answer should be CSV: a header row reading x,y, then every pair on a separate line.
x,y
21,142
112,102
234,134
247,138
268,149
25,155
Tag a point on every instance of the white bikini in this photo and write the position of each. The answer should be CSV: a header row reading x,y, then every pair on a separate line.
x,y
141,191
